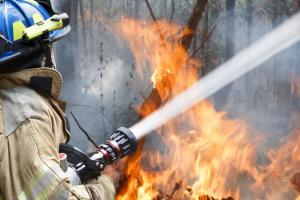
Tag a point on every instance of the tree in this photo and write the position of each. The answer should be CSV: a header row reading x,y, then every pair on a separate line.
x,y
193,22
222,96
249,20
137,8
229,29
154,99
66,58
162,8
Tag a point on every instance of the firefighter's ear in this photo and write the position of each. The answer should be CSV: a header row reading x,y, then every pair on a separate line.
x,y
295,88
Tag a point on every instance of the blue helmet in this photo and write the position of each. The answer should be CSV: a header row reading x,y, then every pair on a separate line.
x,y
27,25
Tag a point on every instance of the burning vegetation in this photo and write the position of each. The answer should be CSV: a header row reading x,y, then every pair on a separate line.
x,y
203,154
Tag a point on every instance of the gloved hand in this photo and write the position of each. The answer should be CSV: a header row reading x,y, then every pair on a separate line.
x,y
115,171
102,188
108,182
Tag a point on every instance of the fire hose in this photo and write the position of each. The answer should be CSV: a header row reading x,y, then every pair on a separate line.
x,y
81,167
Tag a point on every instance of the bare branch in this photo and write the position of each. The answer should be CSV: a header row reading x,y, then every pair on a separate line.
x,y
172,10
95,108
175,189
151,11
84,131
156,23
143,96
204,41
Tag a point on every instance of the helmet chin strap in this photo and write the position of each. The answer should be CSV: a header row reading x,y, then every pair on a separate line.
x,y
49,55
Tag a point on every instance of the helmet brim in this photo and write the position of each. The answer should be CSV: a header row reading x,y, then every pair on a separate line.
x,y
59,34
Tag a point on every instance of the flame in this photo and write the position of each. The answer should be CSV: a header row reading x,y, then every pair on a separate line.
x,y
202,154
158,48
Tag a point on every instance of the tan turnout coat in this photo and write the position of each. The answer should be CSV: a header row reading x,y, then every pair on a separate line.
x,y
32,125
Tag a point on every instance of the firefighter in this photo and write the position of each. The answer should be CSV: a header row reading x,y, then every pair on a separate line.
x,y
32,119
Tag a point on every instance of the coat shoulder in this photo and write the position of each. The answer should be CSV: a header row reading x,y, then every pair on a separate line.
x,y
19,104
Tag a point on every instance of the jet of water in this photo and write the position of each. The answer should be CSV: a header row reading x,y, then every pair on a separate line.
x,y
269,45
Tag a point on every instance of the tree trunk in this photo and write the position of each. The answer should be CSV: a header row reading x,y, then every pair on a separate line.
x,y
222,96
207,68
229,29
91,45
137,8
249,19
297,50
83,20
162,8
172,10
193,22
153,100
66,58
129,7
110,5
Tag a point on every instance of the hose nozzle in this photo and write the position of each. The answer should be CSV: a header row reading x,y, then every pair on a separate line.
x,y
121,143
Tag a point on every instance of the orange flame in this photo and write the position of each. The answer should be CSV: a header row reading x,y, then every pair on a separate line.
x,y
203,153
156,45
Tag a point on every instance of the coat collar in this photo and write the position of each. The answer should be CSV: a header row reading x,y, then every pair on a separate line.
x,y
46,80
